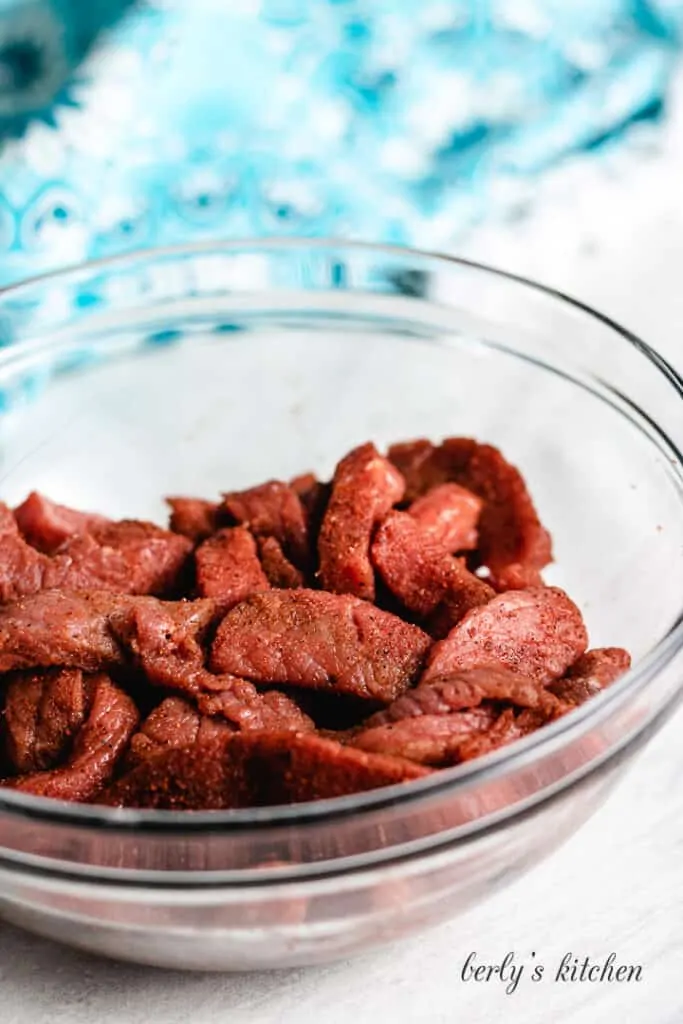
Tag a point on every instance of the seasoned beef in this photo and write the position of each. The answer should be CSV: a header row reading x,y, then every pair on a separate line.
x,y
314,496
256,769
421,573
54,627
311,638
427,739
129,557
199,777
538,633
248,709
301,767
165,640
466,591
364,488
174,723
126,557
507,728
278,569
228,567
297,673
425,466
97,748
468,689
46,525
43,712
194,517
415,567
272,510
449,515
95,630
512,542
590,674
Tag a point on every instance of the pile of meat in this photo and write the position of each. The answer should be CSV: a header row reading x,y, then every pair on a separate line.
x,y
289,642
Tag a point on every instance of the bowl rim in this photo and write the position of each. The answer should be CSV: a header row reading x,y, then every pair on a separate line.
x,y
458,778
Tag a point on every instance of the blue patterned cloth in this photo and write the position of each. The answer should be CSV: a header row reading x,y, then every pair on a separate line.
x,y
126,125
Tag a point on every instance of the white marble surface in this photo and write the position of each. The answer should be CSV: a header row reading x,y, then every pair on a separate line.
x,y
616,886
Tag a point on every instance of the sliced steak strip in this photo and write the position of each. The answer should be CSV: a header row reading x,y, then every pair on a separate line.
x,y
165,640
228,567
97,748
590,674
95,630
256,769
446,721
127,557
512,542
449,515
364,488
465,690
424,465
43,712
272,510
427,739
301,767
507,728
538,633
249,710
65,629
314,639
174,723
45,525
278,569
194,517
465,592
199,777
421,573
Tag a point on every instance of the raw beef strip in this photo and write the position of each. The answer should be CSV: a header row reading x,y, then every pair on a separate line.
x,y
247,709
507,728
365,487
314,496
228,567
425,466
538,633
57,628
97,748
165,639
278,569
421,573
129,557
272,510
96,630
43,712
194,517
310,638
302,766
174,723
465,690
199,777
427,739
590,674
512,542
46,525
256,769
449,515
466,591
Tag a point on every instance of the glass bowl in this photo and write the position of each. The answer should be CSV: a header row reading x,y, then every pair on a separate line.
x,y
223,364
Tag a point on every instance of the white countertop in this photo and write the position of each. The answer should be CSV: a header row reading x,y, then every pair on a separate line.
x,y
615,886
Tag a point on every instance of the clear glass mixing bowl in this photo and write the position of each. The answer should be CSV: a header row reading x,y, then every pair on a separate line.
x,y
219,365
